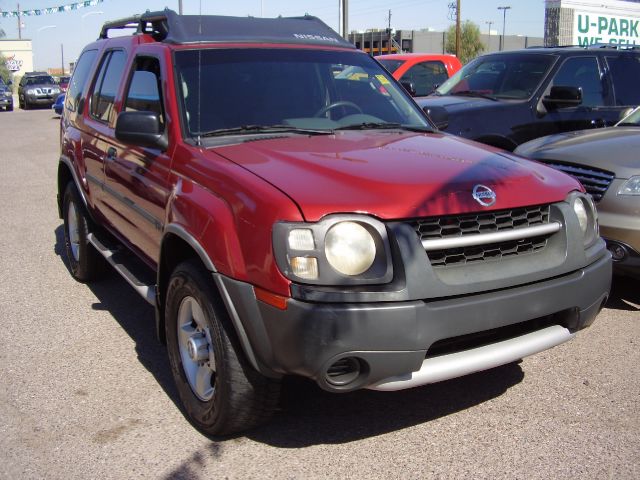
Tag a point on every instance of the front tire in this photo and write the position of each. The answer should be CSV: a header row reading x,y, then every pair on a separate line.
x,y
85,262
220,391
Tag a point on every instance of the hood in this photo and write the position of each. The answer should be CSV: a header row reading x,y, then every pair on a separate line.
x,y
614,149
455,103
394,175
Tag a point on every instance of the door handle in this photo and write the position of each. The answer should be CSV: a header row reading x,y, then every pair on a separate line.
x,y
111,154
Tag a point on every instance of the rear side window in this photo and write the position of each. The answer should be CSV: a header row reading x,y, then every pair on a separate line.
x,y
426,76
79,79
582,72
106,87
625,71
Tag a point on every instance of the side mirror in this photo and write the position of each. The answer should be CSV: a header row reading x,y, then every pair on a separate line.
x,y
142,129
563,96
438,115
408,86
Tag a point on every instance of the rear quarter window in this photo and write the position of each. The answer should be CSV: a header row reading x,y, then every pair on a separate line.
x,y
625,71
79,79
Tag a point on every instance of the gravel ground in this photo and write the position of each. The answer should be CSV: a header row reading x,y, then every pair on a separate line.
x,y
85,389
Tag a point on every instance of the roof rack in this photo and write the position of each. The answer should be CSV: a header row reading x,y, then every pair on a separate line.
x,y
169,27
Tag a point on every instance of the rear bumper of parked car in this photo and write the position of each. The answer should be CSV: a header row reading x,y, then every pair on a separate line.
x,y
396,345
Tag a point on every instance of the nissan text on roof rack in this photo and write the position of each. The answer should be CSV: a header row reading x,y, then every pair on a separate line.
x,y
284,219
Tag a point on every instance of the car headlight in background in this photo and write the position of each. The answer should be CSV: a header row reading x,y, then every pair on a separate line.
x,y
630,187
7,94
585,211
31,91
55,90
339,250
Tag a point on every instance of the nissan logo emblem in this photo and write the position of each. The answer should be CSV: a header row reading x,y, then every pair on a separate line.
x,y
484,195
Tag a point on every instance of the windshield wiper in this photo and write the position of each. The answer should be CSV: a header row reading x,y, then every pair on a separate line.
x,y
384,126
474,93
248,129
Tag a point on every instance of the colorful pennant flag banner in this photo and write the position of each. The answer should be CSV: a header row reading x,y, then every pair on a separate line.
x,y
47,11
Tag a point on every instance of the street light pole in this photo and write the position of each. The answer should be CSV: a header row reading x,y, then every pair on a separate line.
x,y
504,21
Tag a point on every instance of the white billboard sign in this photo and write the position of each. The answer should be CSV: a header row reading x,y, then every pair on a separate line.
x,y
591,28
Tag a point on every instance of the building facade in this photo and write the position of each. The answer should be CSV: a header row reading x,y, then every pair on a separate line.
x,y
592,22
18,55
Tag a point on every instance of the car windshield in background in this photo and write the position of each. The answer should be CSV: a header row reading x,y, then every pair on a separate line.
x,y
242,91
41,80
631,120
513,77
391,65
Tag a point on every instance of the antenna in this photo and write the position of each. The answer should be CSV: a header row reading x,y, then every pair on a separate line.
x,y
199,140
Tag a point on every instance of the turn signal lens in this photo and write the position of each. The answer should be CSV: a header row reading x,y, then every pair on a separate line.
x,y
305,267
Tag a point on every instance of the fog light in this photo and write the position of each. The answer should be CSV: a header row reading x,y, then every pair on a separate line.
x,y
618,252
305,267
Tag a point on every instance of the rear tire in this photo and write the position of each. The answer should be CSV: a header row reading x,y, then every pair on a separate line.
x,y
85,262
220,391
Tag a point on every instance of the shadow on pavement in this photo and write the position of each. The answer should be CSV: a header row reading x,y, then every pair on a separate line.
x,y
309,415
135,316
625,294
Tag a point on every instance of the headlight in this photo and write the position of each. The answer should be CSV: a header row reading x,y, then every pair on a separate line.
x,y
31,91
339,250
581,212
7,94
630,187
349,248
56,90
585,211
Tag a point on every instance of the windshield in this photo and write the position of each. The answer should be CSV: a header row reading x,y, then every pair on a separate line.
x,y
40,80
323,90
391,65
514,76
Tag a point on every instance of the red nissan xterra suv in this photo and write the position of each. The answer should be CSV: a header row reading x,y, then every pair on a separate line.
x,y
285,220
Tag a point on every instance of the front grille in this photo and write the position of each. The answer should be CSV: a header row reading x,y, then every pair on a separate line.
x,y
595,181
450,227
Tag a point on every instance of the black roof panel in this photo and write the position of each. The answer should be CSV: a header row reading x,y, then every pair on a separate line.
x,y
167,26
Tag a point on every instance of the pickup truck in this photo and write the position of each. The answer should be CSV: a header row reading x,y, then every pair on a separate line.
x,y
284,219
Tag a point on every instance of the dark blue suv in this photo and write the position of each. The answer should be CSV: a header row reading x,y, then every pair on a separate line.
x,y
507,98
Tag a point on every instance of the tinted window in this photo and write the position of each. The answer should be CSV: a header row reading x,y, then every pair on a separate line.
x,y
426,76
79,79
106,87
230,88
391,65
625,71
507,76
582,72
144,89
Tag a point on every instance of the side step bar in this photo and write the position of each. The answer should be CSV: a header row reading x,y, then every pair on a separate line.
x,y
457,364
125,266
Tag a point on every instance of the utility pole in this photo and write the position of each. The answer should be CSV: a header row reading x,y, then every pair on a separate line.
x,y
458,45
344,19
389,32
504,21
180,7
489,23
19,24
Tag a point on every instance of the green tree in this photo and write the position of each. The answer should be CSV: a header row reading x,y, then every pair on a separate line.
x,y
470,44
4,71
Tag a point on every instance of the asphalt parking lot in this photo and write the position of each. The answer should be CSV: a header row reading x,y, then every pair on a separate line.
x,y
86,392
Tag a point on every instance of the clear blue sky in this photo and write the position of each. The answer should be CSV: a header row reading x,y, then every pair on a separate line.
x,y
526,17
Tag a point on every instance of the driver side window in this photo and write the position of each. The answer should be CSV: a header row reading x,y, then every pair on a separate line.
x,y
582,72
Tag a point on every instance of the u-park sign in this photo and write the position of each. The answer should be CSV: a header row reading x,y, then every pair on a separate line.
x,y
594,28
